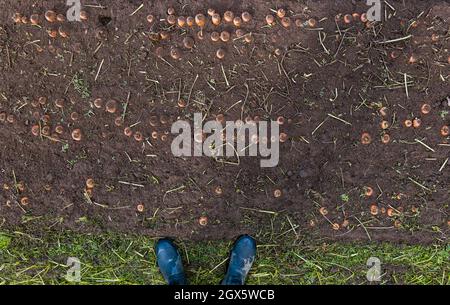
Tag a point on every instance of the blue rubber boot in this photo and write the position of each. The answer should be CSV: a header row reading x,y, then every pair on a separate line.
x,y
241,260
169,262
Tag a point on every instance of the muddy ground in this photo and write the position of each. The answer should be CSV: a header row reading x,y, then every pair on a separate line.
x,y
329,82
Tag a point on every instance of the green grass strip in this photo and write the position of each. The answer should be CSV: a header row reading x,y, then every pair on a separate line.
x,y
129,259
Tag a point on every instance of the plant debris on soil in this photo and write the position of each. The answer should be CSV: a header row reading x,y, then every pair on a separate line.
x,y
86,110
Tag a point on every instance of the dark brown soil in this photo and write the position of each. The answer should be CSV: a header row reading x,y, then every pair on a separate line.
x,y
329,88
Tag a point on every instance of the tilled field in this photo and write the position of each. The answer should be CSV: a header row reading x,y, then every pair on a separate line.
x,y
86,110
